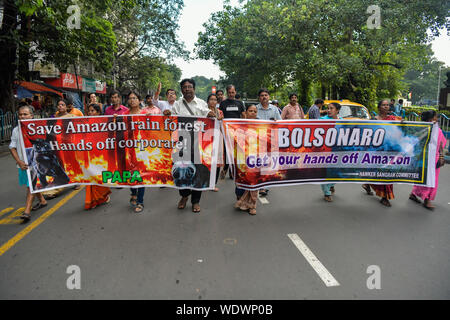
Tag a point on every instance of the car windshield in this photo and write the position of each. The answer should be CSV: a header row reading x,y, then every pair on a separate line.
x,y
353,112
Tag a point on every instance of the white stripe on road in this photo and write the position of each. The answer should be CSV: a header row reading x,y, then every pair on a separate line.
x,y
263,200
323,273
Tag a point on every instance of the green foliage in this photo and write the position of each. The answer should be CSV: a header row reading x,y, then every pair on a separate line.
x,y
203,86
145,30
280,42
53,41
144,73
422,81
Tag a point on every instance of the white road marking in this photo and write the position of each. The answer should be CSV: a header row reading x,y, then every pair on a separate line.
x,y
323,273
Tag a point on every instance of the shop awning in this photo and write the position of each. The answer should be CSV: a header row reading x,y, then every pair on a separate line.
x,y
37,88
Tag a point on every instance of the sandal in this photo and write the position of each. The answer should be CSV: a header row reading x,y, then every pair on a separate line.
x,y
414,198
25,217
182,203
427,206
367,189
108,200
216,190
133,201
196,208
328,198
332,190
139,208
252,212
385,202
38,206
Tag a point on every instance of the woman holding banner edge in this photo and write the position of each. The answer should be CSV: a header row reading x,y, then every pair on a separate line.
x,y
427,194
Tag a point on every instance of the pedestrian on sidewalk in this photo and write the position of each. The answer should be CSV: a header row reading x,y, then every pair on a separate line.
x,y
15,148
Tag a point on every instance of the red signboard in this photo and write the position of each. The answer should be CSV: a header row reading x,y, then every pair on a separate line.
x,y
100,87
66,80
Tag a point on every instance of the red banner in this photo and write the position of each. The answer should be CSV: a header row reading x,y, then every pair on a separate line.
x,y
133,150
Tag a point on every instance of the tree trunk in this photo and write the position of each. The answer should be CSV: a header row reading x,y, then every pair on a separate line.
x,y
323,91
8,49
24,50
303,98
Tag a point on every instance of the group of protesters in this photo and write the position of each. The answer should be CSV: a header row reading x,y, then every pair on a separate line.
x,y
216,106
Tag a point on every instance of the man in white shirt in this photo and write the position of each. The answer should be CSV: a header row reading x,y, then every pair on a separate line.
x,y
196,106
190,105
15,147
171,97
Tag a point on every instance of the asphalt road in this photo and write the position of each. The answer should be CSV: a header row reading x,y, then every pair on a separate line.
x,y
221,253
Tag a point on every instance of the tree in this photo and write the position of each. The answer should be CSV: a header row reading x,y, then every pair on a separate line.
x,y
45,33
326,42
144,73
145,31
203,86
423,81
111,34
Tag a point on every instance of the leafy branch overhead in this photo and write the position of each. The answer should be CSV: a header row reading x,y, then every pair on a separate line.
x,y
325,42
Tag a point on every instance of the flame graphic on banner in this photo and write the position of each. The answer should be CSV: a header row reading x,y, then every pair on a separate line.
x,y
85,156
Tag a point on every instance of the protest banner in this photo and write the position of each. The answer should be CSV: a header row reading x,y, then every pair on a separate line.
x,y
277,153
131,150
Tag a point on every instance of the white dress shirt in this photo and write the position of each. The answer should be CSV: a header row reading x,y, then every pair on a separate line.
x,y
198,106
163,105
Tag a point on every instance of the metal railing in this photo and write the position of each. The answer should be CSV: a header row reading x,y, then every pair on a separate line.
x,y
412,116
8,120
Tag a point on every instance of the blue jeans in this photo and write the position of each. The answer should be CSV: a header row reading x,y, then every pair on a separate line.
x,y
140,194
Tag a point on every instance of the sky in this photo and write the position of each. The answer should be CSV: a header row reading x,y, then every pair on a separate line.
x,y
197,12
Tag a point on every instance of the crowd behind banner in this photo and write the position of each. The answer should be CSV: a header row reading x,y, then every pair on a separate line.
x,y
216,108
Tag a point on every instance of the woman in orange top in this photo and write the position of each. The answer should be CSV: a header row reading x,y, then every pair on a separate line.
x,y
96,195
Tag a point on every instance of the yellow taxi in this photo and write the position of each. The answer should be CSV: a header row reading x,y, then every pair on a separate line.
x,y
350,110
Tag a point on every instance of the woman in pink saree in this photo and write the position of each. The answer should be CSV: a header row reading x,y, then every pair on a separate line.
x,y
428,194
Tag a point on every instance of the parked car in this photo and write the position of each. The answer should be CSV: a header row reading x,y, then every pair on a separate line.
x,y
249,103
